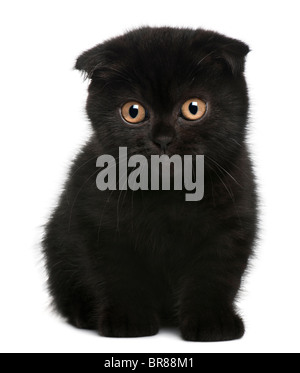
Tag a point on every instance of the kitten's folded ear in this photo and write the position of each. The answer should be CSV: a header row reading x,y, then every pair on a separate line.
x,y
221,48
234,53
90,60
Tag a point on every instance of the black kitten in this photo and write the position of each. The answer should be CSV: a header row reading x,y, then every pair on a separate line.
x,y
124,262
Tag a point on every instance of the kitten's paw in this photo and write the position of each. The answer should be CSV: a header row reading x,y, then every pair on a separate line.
x,y
82,317
213,328
119,324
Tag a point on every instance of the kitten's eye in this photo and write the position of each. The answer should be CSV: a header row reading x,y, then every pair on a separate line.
x,y
193,109
133,112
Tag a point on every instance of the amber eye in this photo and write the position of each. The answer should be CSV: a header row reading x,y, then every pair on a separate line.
x,y
193,109
133,112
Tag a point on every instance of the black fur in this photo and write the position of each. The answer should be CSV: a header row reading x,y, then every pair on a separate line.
x,y
124,263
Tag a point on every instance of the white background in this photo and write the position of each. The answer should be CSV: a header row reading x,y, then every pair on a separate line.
x,y
43,124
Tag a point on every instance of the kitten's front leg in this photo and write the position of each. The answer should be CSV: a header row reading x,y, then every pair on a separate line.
x,y
208,291
128,305
121,320
212,325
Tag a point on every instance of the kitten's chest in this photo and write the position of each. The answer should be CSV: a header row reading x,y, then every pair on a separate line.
x,y
168,226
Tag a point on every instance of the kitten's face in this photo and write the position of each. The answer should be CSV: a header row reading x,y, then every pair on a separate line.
x,y
169,91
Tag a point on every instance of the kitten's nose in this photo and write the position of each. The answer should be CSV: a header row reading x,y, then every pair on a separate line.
x,y
163,141
163,135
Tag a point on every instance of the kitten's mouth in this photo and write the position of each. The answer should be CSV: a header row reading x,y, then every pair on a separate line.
x,y
162,152
166,152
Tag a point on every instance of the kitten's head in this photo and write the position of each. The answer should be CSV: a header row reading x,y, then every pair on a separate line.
x,y
165,90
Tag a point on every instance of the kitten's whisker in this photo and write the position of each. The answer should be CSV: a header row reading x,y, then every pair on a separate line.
x,y
82,165
132,192
230,194
204,58
228,188
81,188
222,168
234,140
118,218
102,215
107,200
194,71
212,190
78,168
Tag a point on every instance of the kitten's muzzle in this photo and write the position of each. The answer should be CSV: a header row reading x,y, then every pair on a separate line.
x,y
162,136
